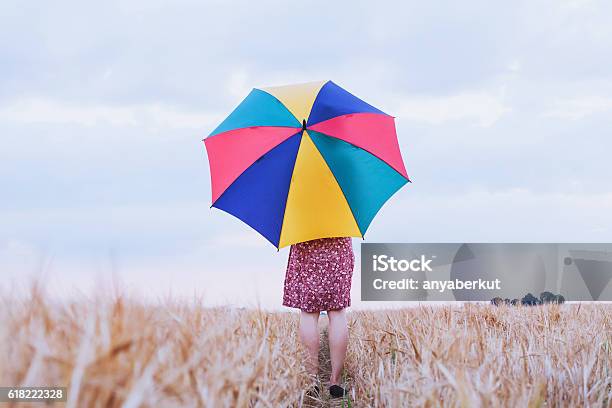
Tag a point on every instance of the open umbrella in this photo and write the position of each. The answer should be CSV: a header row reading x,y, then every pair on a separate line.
x,y
304,161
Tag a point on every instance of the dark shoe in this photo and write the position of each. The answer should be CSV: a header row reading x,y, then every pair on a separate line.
x,y
337,391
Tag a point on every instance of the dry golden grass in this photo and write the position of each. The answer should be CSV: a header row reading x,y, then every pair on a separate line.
x,y
481,355
115,351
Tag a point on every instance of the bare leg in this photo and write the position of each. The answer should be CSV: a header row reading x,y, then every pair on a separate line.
x,y
338,341
309,335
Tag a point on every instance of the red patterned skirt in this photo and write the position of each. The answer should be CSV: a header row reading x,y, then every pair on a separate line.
x,y
319,275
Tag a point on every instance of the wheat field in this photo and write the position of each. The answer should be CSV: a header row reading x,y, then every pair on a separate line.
x,y
116,351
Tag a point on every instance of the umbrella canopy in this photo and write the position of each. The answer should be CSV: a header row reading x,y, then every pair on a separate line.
x,y
304,161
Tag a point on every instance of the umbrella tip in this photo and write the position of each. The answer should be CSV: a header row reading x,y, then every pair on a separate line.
x,y
303,124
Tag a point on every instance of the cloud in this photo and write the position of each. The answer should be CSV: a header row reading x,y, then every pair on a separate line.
x,y
579,107
150,116
215,255
478,108
505,215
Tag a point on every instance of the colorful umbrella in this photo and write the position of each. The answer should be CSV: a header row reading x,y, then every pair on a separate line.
x,y
305,161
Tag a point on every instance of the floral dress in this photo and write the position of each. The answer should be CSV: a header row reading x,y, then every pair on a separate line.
x,y
319,275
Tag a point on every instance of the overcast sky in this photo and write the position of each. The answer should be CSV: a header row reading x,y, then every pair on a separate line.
x,y
504,114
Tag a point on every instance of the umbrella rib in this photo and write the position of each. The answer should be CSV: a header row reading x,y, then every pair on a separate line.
x,y
247,127
314,101
282,104
339,186
242,172
288,191
362,148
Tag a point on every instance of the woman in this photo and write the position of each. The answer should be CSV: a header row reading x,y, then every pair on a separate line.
x,y
318,278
